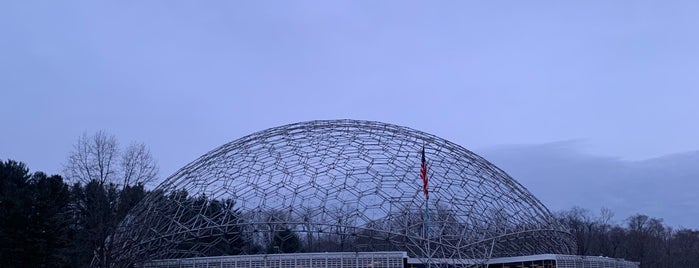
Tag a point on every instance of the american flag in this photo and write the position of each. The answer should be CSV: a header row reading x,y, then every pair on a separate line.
x,y
423,174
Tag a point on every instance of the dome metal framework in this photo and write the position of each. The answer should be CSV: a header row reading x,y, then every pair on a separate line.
x,y
338,185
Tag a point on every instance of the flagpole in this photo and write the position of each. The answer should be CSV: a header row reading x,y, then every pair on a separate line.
x,y
423,175
427,233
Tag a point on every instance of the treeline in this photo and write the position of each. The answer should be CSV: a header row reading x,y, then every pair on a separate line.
x,y
45,222
641,238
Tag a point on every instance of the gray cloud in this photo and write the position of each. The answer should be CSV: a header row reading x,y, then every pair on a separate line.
x,y
561,175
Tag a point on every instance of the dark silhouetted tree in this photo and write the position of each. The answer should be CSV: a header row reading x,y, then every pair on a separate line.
x,y
14,208
49,220
34,218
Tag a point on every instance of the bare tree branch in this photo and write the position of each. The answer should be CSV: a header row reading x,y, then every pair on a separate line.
x,y
138,165
93,158
98,157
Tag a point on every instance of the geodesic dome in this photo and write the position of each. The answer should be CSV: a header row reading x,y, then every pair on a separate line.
x,y
338,185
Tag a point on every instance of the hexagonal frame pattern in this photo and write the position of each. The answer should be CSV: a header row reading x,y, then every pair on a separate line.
x,y
339,185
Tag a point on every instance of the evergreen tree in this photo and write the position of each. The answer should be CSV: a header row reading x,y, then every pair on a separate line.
x,y
49,220
34,218
14,205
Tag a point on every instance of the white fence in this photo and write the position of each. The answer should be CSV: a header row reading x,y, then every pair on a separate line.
x,y
292,260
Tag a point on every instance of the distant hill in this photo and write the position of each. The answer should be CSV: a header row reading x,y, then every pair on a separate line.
x,y
561,176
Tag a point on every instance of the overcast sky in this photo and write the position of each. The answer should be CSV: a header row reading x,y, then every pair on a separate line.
x,y
619,77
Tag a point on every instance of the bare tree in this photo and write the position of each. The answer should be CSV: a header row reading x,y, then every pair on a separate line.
x,y
93,158
581,225
98,157
605,216
137,165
